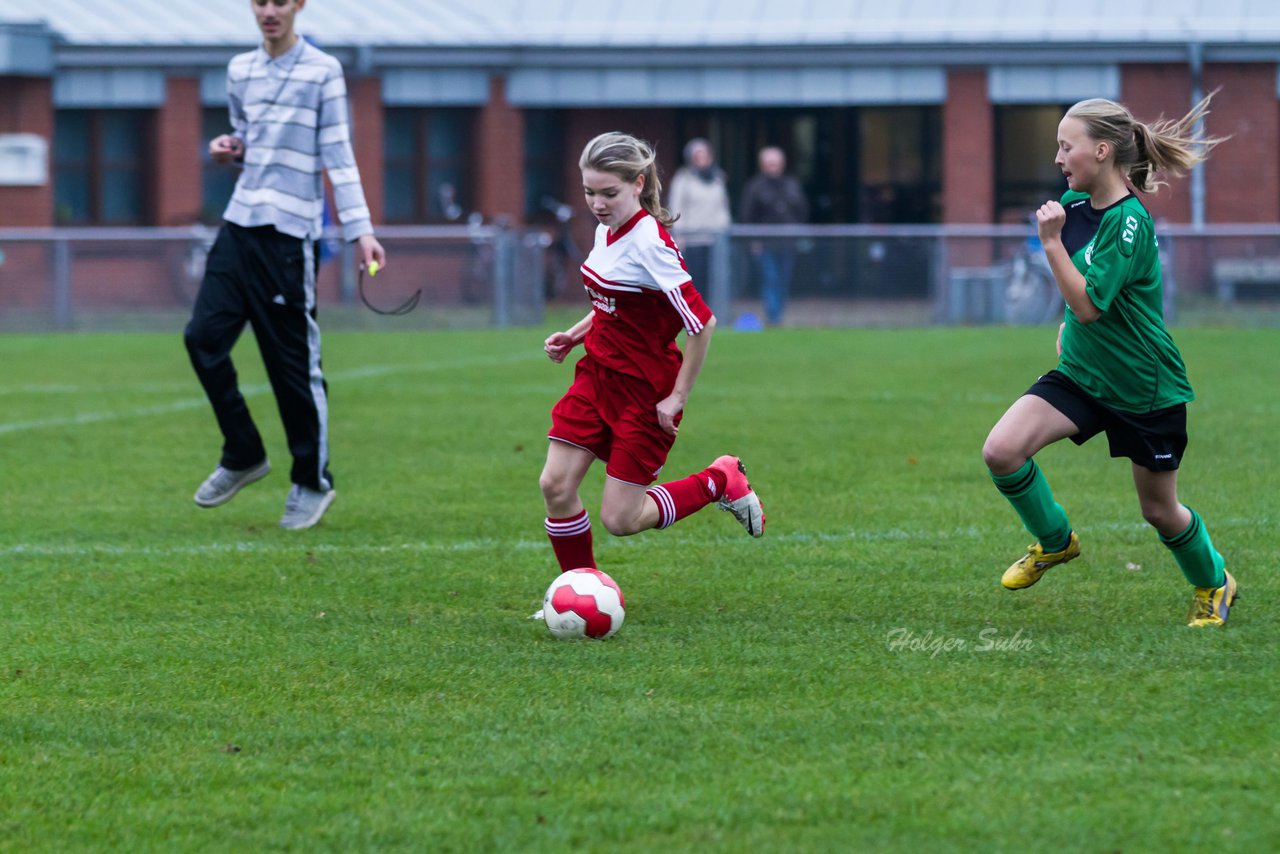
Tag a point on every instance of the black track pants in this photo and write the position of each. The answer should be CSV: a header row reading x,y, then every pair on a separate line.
x,y
267,279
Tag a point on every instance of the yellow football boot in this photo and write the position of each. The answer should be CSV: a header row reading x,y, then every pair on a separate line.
x,y
1036,562
1210,605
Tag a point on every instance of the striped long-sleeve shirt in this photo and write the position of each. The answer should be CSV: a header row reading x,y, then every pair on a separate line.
x,y
291,114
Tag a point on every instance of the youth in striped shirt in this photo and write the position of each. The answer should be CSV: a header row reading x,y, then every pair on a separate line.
x,y
288,109
629,390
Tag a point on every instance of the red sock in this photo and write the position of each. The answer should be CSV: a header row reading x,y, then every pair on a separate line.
x,y
571,540
687,496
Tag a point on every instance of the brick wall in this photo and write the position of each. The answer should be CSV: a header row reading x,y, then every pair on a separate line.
x,y
364,98
968,149
1152,92
26,106
1242,175
176,183
499,158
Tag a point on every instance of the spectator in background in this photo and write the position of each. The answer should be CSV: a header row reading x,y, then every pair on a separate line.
x,y
773,197
700,198
288,108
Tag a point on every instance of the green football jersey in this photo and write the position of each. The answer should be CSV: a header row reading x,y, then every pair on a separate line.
x,y
1126,358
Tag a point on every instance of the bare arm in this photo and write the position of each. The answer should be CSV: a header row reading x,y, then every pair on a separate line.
x,y
695,354
558,344
1049,221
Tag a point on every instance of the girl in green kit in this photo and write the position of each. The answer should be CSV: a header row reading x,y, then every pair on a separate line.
x,y
1119,371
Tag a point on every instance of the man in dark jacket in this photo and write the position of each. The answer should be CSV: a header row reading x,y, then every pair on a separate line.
x,y
772,197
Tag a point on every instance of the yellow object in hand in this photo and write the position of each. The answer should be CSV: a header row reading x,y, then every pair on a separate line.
x,y
373,268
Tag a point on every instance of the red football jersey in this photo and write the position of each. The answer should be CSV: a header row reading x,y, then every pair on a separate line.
x,y
643,297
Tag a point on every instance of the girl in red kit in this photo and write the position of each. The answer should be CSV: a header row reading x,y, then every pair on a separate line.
x,y
629,390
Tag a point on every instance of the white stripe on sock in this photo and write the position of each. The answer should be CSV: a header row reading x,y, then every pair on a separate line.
x,y
666,506
579,524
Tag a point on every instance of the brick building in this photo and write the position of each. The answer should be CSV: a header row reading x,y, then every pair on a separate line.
x,y
921,112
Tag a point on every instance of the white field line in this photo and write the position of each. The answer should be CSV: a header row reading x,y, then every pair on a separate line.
x,y
289,544
252,390
426,547
67,389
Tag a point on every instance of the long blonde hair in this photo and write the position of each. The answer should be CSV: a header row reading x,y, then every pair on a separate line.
x,y
1143,150
627,157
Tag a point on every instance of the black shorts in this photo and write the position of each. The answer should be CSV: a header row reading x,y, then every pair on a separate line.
x,y
1155,440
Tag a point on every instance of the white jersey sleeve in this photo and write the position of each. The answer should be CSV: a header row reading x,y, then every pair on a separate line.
x,y
657,254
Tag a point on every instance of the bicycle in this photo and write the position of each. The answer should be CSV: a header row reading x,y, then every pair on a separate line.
x,y
1032,297
562,257
186,264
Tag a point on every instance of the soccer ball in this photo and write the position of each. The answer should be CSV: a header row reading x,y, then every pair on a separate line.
x,y
583,603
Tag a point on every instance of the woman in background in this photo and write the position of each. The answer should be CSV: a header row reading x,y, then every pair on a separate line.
x,y
699,199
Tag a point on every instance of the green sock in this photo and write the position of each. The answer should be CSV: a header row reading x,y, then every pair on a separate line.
x,y
1030,495
1195,554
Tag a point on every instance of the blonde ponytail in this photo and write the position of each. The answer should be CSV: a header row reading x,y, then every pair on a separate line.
x,y
1143,151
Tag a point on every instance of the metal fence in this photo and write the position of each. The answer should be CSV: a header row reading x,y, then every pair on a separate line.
x,y
128,278
980,274
490,276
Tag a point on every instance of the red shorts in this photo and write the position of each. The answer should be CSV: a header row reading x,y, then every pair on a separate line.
x,y
615,417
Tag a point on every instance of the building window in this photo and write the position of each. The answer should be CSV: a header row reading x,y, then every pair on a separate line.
x,y
900,165
857,164
100,167
1026,144
218,179
544,165
427,165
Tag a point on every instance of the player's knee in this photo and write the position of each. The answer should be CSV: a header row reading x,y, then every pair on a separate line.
x,y
1001,457
552,486
1161,517
202,343
192,338
202,348
557,487
617,522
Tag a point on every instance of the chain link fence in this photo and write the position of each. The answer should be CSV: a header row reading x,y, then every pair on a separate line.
x,y
475,276
121,278
961,274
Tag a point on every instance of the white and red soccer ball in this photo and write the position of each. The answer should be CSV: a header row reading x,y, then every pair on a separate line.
x,y
583,603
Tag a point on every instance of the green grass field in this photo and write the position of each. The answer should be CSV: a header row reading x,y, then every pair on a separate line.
x,y
178,679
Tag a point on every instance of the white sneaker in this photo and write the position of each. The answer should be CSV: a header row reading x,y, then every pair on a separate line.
x,y
304,507
537,615
221,486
